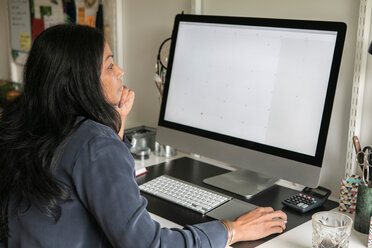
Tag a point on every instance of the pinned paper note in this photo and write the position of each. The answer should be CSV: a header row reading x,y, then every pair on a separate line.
x,y
45,11
25,41
50,21
37,27
81,16
90,21
20,25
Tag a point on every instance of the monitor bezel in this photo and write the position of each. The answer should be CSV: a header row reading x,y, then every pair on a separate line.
x,y
338,27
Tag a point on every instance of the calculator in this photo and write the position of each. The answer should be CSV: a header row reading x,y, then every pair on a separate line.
x,y
308,199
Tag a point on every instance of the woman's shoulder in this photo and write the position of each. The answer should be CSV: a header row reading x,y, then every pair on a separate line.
x,y
90,134
90,139
90,129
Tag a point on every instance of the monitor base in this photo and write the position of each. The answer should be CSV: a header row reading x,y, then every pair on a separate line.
x,y
242,182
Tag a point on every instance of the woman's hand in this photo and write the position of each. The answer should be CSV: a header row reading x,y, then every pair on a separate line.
x,y
124,106
259,223
126,102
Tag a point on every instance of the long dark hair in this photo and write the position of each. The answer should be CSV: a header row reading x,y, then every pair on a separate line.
x,y
61,82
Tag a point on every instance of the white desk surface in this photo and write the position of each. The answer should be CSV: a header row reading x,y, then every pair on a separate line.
x,y
298,237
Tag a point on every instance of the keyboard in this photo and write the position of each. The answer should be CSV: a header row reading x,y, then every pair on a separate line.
x,y
185,194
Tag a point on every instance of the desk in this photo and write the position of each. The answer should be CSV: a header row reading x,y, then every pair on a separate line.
x,y
298,237
297,234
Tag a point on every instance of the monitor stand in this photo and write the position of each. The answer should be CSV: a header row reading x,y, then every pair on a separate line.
x,y
242,182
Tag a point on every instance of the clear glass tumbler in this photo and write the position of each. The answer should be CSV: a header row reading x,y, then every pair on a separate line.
x,y
331,230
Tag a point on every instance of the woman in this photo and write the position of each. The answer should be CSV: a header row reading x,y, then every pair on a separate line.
x,y
66,177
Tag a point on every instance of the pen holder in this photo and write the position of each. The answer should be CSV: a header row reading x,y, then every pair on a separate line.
x,y
363,211
349,193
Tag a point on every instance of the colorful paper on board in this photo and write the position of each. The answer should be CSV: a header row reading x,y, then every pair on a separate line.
x,y
37,27
91,21
81,16
25,41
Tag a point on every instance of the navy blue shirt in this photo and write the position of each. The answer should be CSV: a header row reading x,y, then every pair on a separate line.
x,y
106,208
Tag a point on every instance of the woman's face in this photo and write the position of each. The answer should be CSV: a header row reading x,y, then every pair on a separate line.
x,y
111,77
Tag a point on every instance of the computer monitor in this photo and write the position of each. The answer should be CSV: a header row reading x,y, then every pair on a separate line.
x,y
255,93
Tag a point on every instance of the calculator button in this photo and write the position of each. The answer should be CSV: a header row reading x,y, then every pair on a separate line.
x,y
305,206
300,204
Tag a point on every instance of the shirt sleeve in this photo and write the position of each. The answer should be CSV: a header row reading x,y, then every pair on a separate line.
x,y
104,181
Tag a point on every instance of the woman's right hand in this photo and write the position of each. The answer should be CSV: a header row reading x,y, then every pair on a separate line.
x,y
259,223
126,102
124,107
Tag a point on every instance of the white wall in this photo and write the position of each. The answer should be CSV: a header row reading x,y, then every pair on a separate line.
x,y
147,23
4,41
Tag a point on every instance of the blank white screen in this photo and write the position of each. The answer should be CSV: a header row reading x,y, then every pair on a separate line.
x,y
261,84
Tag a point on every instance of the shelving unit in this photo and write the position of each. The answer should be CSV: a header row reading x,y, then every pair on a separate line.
x,y
359,80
